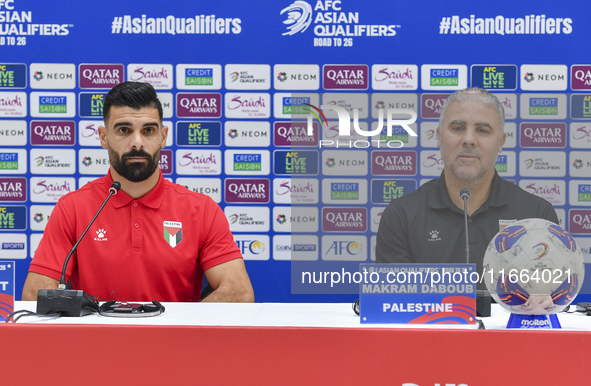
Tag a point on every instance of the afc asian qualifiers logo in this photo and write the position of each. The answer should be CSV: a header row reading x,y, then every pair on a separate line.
x,y
299,17
173,232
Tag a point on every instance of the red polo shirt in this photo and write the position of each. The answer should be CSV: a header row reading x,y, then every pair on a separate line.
x,y
155,247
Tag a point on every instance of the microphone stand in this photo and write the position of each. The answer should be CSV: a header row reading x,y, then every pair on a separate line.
x,y
71,302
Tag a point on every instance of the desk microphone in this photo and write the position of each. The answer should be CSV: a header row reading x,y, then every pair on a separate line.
x,y
482,296
465,195
71,302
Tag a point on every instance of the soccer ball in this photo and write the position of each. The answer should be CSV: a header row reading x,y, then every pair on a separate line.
x,y
533,267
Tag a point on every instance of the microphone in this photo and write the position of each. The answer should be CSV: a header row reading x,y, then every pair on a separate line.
x,y
465,195
482,296
71,302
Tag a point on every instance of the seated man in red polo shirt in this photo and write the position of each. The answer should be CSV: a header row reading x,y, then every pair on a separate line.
x,y
154,239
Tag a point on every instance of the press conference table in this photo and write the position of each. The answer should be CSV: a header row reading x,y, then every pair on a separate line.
x,y
287,343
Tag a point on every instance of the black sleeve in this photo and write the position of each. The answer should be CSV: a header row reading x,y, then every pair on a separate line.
x,y
392,242
547,212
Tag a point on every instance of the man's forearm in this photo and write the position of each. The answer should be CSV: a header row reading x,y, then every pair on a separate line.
x,y
224,294
34,283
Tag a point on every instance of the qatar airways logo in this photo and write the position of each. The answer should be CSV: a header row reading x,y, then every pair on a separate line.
x,y
98,76
543,135
346,77
580,221
431,105
199,105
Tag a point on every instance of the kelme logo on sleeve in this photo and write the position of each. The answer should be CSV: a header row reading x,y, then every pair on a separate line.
x,y
173,232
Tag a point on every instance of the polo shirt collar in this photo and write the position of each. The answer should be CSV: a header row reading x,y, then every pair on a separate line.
x,y
440,197
153,199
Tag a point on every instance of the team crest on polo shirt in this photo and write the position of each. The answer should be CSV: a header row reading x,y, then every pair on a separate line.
x,y
173,232
505,223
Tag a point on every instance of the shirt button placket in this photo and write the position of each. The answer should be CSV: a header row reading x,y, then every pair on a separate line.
x,y
136,233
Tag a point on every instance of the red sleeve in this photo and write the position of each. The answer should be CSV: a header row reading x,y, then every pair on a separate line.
x,y
218,245
58,238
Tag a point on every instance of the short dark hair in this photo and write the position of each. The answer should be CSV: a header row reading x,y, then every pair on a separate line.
x,y
136,95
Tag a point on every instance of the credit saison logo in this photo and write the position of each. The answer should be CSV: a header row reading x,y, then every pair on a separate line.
x,y
444,77
543,106
172,25
584,193
331,21
296,105
8,161
198,76
501,164
247,162
53,104
344,191
501,25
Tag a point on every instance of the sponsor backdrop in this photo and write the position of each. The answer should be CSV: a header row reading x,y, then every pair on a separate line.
x,y
232,75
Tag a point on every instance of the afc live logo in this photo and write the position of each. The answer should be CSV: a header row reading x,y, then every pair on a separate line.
x,y
494,77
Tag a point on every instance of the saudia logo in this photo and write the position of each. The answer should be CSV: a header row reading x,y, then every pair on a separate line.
x,y
188,159
141,74
43,186
237,102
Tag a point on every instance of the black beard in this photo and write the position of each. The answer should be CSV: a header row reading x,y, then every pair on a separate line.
x,y
134,171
